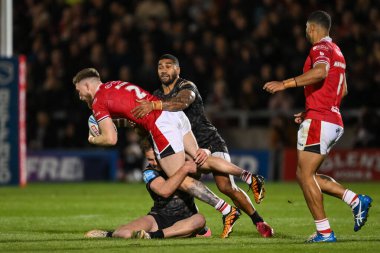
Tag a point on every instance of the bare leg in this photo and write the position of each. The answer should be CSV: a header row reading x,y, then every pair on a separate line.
x,y
240,199
330,186
172,163
147,223
185,227
308,164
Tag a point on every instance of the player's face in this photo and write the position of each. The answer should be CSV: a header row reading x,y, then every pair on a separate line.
x,y
167,71
83,92
308,32
151,158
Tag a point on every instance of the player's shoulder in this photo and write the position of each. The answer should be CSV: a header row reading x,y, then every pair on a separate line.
x,y
186,84
322,46
149,174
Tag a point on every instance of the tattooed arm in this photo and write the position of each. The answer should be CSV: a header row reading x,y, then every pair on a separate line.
x,y
199,191
181,101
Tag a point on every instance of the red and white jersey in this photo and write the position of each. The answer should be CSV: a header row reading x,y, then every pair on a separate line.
x,y
323,99
116,99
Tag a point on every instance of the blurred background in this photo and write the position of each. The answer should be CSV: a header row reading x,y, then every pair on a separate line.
x,y
228,48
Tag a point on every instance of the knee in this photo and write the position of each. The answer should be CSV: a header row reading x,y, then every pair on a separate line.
x,y
199,221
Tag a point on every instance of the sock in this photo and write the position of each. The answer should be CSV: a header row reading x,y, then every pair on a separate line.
x,y
109,233
223,207
246,177
351,198
256,218
323,227
159,234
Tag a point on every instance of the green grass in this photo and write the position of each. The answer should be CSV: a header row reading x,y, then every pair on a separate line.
x,y
54,217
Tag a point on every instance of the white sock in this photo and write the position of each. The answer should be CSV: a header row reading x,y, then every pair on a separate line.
x,y
351,198
323,227
246,177
223,207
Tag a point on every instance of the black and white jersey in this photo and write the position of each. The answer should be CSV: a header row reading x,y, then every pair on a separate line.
x,y
206,134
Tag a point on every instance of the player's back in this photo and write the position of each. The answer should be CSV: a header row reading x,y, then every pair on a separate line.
x,y
323,99
116,99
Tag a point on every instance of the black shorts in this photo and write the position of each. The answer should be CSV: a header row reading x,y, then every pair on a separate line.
x,y
164,221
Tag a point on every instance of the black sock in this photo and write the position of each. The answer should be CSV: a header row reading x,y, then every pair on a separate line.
x,y
157,234
255,217
109,233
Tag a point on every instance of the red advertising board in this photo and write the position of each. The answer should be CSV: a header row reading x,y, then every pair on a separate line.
x,y
342,165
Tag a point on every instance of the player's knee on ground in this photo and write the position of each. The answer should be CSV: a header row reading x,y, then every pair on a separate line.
x,y
199,221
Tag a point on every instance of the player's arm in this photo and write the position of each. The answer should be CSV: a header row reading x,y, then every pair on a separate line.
x,y
345,91
314,75
181,101
165,188
108,135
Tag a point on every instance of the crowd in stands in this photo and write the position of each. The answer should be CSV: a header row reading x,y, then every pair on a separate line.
x,y
228,48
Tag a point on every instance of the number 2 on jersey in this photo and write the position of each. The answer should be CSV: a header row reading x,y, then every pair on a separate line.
x,y
139,94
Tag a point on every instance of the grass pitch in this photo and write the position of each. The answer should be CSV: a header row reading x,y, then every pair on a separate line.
x,y
54,217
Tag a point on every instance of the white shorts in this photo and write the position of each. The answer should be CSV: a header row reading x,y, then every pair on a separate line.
x,y
318,136
168,135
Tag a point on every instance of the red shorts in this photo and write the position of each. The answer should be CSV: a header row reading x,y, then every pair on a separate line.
x,y
318,136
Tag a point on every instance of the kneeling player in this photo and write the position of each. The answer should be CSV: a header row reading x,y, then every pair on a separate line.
x,y
174,213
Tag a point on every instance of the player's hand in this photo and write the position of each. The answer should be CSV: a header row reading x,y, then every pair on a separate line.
x,y
143,109
299,117
190,167
201,156
274,86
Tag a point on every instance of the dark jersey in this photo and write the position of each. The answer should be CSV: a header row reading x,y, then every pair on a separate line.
x,y
206,134
178,204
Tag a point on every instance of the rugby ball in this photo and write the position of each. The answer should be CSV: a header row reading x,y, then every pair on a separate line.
x,y
94,127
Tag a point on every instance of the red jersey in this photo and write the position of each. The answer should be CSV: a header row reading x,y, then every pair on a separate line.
x,y
116,99
323,98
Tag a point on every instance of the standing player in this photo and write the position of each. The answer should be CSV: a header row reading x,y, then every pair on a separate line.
x,y
321,125
170,131
178,94
174,213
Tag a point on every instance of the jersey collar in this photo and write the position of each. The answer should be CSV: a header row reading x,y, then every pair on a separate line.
x,y
327,39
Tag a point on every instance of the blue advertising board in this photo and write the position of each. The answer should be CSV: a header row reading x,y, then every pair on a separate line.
x,y
12,121
71,166
255,161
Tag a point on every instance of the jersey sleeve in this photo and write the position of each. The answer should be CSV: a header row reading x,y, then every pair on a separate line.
x,y
99,109
149,175
321,53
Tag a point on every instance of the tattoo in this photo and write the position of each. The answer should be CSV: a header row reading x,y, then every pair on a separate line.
x,y
201,192
181,101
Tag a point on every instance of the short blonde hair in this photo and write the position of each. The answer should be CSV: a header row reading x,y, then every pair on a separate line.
x,y
85,73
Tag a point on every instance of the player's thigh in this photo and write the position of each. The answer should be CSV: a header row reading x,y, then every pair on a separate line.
x,y
170,164
308,163
147,223
190,144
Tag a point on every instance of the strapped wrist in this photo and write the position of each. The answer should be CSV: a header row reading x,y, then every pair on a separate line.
x,y
290,83
157,105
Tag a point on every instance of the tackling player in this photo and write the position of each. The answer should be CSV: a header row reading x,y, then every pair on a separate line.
x,y
174,213
170,131
178,94
324,82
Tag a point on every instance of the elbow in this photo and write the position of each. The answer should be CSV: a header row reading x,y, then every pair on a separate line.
x,y
111,141
165,193
321,73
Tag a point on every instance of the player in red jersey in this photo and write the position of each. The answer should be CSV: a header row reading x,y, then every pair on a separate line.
x,y
324,82
170,131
